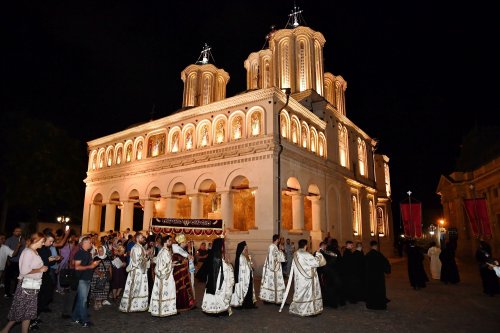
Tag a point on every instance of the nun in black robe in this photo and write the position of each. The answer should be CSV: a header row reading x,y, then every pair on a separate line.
x,y
416,271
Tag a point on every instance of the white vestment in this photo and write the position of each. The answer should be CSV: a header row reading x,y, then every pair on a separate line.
x,y
163,295
241,286
272,284
307,300
433,254
135,294
220,302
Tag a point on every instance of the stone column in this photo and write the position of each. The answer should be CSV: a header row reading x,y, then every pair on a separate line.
x,y
127,217
316,212
95,218
171,207
109,222
196,205
298,211
227,209
316,233
148,214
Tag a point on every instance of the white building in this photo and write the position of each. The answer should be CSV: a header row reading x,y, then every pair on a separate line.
x,y
220,157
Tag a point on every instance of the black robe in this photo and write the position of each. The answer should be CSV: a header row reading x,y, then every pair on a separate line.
x,y
330,280
376,266
353,264
416,271
488,276
449,269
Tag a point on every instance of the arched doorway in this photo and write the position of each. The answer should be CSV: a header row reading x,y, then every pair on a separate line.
x,y
210,197
182,206
288,196
243,204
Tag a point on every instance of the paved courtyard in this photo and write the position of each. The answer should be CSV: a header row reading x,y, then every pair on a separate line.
x,y
437,308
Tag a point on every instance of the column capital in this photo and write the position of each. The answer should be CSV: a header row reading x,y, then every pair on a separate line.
x,y
314,198
196,194
295,193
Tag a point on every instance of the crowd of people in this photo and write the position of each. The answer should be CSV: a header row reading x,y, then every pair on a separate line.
x,y
443,265
157,274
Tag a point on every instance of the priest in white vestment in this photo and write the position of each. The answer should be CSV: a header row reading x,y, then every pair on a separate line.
x,y
244,291
272,284
135,294
163,295
307,299
433,254
220,282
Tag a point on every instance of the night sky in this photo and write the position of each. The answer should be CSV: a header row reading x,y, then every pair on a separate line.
x,y
420,74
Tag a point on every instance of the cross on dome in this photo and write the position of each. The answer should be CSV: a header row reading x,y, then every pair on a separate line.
x,y
205,55
295,17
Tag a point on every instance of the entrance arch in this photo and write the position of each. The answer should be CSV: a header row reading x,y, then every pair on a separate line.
x,y
243,202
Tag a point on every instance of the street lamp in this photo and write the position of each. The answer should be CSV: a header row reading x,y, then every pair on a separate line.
x,y
432,229
63,219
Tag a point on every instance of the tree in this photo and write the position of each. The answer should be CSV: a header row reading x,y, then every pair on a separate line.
x,y
41,171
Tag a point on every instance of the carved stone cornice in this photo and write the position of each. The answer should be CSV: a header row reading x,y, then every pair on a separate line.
x,y
259,148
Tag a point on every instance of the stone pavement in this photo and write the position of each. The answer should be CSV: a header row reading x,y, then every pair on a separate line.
x,y
437,308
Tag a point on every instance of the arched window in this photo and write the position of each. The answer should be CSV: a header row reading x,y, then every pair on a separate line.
x,y
362,157
128,152
387,179
302,66
220,131
255,123
156,145
138,154
343,146
101,159
355,216
285,65
109,156
380,221
237,128
284,124
322,145
314,140
207,89
295,131
304,141
119,153
373,227
204,136
94,161
174,144
188,139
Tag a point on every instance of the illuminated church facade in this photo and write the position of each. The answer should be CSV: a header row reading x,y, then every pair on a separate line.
x,y
265,161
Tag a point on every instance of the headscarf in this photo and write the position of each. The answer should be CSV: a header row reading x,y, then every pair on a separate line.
x,y
104,255
214,261
239,251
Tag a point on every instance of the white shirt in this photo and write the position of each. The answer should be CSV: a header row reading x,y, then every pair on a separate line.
x,y
5,252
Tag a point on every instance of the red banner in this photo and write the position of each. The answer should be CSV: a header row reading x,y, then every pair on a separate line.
x,y
411,214
477,212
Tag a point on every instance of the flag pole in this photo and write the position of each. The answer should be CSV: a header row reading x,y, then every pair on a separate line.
x,y
411,222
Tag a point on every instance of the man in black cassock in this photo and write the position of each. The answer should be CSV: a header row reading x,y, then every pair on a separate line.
x,y
416,271
376,266
353,269
330,279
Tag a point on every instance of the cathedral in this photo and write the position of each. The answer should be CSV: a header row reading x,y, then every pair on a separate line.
x,y
282,157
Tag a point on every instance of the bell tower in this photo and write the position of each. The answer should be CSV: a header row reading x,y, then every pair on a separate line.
x,y
203,82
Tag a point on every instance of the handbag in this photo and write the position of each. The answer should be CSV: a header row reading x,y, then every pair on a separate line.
x,y
67,278
31,283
